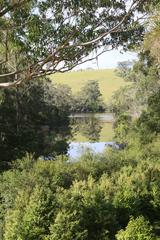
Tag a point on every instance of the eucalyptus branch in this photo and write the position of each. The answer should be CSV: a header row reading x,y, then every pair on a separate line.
x,y
11,7
131,9
11,84
6,48
56,57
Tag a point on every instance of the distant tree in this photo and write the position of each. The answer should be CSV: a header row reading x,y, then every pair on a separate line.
x,y
123,101
89,99
123,69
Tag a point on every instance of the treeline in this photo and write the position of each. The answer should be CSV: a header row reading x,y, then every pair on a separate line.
x,y
88,100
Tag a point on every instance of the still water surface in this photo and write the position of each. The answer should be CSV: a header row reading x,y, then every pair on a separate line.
x,y
90,131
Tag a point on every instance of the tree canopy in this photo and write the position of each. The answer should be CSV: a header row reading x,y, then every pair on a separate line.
x,y
45,37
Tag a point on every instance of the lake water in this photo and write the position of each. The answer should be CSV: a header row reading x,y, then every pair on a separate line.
x,y
90,131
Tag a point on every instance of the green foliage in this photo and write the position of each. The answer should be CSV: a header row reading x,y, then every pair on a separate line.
x,y
36,31
140,101
152,38
34,119
123,69
148,125
91,199
137,229
144,78
122,126
81,214
89,99
33,223
135,189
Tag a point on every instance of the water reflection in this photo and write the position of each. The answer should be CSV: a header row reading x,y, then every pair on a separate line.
x,y
82,132
77,149
89,127
92,127
90,131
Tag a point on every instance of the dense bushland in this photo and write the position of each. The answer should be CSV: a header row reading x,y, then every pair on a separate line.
x,y
100,197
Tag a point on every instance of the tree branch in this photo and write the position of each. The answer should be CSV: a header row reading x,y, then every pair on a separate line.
x,y
131,8
38,69
12,7
11,84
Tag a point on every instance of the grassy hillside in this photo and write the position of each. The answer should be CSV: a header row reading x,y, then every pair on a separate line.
x,y
108,81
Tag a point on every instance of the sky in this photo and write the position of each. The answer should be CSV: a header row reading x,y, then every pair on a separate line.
x,y
108,60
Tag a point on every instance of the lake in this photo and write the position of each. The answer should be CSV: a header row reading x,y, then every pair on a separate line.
x,y
90,131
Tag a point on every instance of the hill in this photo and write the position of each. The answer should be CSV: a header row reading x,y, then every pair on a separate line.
x,y
108,81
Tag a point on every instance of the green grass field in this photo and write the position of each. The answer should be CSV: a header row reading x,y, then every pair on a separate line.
x,y
108,81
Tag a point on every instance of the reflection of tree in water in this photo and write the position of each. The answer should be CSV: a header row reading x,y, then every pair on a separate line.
x,y
34,119
55,142
89,127
61,144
